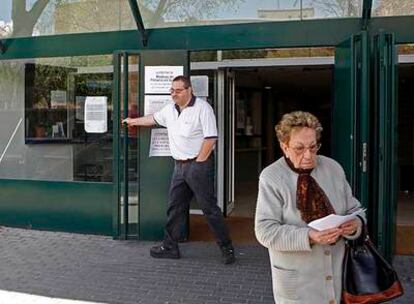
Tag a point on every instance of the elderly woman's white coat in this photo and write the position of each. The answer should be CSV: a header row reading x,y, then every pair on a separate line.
x,y
301,273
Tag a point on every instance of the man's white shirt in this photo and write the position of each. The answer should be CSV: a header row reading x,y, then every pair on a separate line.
x,y
188,129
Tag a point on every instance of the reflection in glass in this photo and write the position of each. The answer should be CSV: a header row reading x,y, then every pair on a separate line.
x,y
53,17
162,13
279,53
48,95
206,56
392,7
405,49
316,9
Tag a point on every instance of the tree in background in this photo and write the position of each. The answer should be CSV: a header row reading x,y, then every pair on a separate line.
x,y
186,11
71,16
24,20
394,8
338,8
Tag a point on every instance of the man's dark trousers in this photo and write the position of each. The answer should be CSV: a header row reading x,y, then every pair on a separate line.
x,y
191,178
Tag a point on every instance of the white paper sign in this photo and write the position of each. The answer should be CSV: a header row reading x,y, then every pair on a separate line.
x,y
154,103
158,79
333,220
58,99
159,143
200,85
96,114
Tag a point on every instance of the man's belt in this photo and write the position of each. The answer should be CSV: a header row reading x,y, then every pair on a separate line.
x,y
182,161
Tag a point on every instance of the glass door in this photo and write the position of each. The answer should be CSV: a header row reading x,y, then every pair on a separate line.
x,y
126,145
141,180
229,146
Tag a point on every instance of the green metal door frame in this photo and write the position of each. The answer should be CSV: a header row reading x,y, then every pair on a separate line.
x,y
121,162
153,189
350,120
385,160
365,144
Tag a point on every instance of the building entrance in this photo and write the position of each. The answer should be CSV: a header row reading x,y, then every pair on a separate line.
x,y
405,196
263,95
250,96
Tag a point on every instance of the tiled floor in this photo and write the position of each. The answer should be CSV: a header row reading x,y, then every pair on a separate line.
x,y
405,210
245,199
405,224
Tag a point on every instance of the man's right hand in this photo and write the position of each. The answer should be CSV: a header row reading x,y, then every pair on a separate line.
x,y
129,121
143,121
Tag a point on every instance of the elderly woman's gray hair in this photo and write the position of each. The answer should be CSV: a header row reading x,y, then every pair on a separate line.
x,y
297,119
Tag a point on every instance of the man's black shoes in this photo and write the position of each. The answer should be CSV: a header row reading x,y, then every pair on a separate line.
x,y
227,254
161,252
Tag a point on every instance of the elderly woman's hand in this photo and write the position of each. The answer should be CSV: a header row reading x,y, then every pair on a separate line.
x,y
350,227
325,237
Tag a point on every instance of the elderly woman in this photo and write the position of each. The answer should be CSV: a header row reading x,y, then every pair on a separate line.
x,y
298,188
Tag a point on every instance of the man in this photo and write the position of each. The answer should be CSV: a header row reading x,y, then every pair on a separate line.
x,y
192,134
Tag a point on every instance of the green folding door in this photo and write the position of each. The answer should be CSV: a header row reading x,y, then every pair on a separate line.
x,y
364,128
384,129
350,114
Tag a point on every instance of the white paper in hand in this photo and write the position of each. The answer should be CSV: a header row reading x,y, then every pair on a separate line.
x,y
333,220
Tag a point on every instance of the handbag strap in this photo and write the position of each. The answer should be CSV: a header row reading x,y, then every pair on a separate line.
x,y
364,237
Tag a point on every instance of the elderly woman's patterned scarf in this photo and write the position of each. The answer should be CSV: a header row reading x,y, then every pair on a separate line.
x,y
311,200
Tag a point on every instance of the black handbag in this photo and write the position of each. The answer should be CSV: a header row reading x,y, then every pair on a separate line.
x,y
367,277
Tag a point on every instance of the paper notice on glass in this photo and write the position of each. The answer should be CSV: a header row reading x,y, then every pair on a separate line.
x,y
200,85
96,114
154,103
158,79
58,99
159,143
333,220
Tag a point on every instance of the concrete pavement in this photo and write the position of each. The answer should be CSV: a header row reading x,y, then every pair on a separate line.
x,y
59,266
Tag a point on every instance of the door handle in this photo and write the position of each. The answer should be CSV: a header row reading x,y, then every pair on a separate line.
x,y
364,157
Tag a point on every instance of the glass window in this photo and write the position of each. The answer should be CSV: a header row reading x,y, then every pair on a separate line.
x,y
209,56
405,49
392,7
160,13
317,9
279,53
54,17
43,105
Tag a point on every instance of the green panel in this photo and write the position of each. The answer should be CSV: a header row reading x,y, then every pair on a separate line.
x,y
401,27
350,121
125,224
60,206
343,107
155,172
236,36
385,155
116,147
